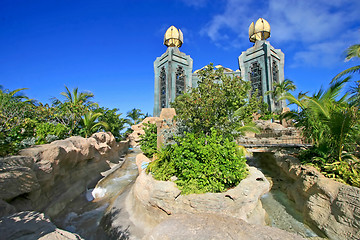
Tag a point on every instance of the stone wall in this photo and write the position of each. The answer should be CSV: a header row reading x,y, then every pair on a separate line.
x,y
46,177
330,206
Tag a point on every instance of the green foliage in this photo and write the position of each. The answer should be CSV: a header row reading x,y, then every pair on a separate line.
x,y
279,89
351,53
90,124
135,116
202,163
114,120
15,109
45,130
213,103
148,140
25,122
332,123
73,108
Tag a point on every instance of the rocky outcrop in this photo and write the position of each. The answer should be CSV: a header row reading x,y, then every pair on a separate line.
x,y
134,137
46,177
165,115
214,226
151,201
32,226
332,207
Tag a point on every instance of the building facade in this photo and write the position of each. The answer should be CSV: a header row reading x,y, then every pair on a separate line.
x,y
261,64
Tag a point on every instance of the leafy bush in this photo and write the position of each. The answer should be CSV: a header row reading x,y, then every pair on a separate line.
x,y
213,103
45,130
148,141
202,163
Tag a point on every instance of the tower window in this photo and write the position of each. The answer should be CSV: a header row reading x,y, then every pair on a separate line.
x,y
180,81
162,88
255,78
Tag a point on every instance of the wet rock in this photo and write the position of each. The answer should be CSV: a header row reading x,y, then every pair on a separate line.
x,y
214,226
141,162
332,207
31,225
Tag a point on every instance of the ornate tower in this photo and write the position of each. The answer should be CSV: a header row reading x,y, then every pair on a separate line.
x,y
262,64
173,71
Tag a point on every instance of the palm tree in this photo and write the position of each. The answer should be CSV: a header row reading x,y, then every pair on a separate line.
x,y
76,104
352,52
282,88
75,98
327,120
355,94
91,124
135,116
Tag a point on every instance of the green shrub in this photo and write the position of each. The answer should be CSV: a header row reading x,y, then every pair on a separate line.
x,y
202,163
45,132
148,141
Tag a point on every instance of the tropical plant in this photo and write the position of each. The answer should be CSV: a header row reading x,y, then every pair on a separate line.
x,y
15,109
91,125
333,126
114,120
148,142
201,163
47,132
352,52
213,102
70,111
280,88
135,116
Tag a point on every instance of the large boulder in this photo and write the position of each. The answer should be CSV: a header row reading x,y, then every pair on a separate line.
x,y
17,176
214,226
153,201
331,206
31,226
47,177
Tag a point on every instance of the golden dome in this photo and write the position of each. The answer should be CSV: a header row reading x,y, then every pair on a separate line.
x,y
173,37
259,31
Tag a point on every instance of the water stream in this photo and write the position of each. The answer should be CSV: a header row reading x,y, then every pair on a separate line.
x,y
83,215
281,210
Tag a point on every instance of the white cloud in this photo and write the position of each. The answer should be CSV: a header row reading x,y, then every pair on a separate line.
x,y
322,28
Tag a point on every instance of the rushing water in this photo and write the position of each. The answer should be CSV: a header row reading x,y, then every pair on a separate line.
x,y
84,214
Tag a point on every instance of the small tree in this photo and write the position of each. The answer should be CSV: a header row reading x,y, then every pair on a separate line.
x,y
213,103
114,120
135,116
90,123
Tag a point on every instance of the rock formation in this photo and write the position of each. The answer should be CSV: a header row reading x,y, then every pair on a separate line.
x,y
134,137
32,226
214,226
46,177
330,206
153,201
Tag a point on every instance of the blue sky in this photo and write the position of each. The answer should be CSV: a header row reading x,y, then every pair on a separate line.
x,y
108,47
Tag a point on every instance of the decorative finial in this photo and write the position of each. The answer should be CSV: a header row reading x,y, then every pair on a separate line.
x,y
173,37
259,31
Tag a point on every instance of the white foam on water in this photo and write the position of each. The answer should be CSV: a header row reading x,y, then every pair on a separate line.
x,y
98,192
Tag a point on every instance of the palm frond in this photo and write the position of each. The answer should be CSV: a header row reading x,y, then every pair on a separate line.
x,y
355,69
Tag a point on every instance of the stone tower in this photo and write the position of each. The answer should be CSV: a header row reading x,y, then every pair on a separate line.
x,y
173,71
262,64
